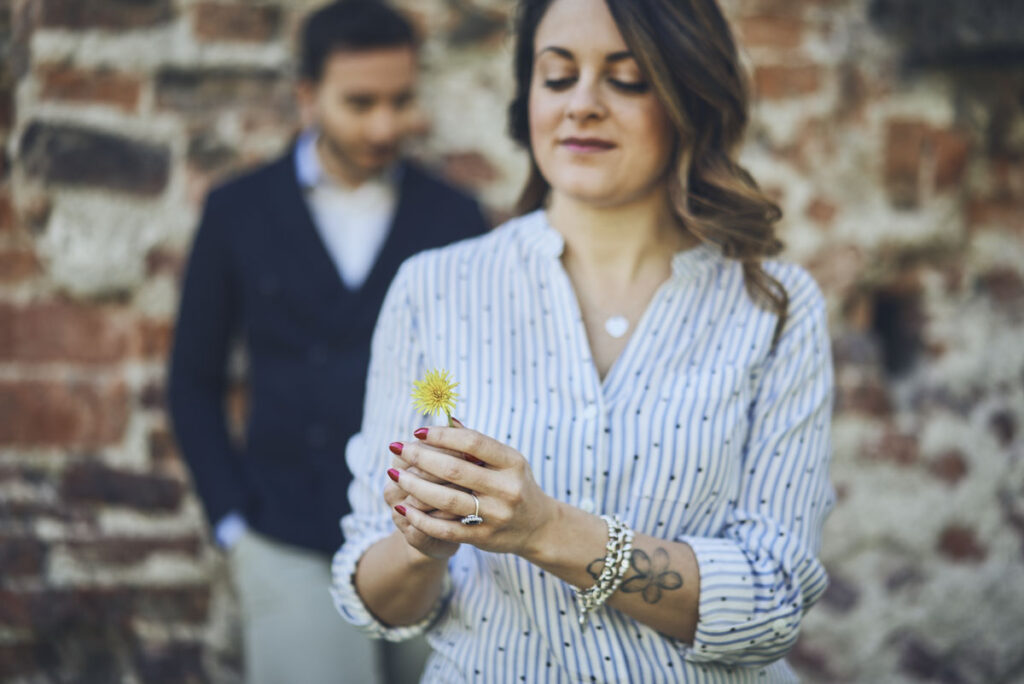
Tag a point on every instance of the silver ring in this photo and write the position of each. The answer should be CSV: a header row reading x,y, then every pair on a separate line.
x,y
475,518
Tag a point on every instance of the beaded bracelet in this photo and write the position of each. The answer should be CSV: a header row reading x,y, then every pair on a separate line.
x,y
618,553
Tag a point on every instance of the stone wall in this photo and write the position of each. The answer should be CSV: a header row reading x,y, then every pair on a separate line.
x,y
903,185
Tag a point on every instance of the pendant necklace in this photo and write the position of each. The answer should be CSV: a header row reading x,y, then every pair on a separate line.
x,y
616,326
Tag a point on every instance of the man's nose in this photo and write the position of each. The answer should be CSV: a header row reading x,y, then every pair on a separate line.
x,y
384,126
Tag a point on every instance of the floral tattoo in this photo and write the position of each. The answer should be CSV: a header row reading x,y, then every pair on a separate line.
x,y
652,576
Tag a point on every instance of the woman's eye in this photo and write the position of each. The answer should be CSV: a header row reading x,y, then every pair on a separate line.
x,y
559,83
638,87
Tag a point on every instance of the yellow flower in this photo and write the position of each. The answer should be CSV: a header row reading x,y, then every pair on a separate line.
x,y
435,393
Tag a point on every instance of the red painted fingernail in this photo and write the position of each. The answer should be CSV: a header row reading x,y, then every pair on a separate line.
x,y
396,448
421,433
393,474
400,509
457,422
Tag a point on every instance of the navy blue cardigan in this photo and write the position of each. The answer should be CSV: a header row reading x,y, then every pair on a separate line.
x,y
259,270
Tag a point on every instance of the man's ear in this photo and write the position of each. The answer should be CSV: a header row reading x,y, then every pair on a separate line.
x,y
305,95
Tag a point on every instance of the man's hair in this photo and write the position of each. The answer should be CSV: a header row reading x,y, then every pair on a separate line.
x,y
353,25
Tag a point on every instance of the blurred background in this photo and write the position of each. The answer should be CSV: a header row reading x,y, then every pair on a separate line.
x,y
891,132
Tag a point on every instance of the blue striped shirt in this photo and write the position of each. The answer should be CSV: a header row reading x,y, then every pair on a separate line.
x,y
698,433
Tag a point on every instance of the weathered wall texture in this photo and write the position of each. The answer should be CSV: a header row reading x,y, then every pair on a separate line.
x,y
904,193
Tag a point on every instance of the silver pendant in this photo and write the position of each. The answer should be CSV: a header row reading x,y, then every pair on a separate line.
x,y
616,326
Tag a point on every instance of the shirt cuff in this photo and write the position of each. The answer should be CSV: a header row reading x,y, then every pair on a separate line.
x,y
350,604
230,529
732,625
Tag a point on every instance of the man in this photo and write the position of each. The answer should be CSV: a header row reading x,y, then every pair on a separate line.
x,y
295,258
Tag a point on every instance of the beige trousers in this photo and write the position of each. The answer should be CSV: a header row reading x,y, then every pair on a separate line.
x,y
291,630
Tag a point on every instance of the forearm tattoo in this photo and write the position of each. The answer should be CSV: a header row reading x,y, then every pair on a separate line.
x,y
649,578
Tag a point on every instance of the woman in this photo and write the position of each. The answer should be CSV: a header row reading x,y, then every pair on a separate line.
x,y
622,349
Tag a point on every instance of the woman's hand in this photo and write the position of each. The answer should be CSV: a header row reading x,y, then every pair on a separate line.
x,y
419,543
517,513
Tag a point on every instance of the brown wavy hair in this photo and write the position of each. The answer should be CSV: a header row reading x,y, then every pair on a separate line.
x,y
686,50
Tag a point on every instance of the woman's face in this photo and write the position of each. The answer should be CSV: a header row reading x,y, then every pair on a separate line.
x,y
597,130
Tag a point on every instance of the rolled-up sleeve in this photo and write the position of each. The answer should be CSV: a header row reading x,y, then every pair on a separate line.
x,y
761,573
396,360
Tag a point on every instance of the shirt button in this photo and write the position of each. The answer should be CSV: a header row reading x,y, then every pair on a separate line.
x,y
780,626
587,505
590,413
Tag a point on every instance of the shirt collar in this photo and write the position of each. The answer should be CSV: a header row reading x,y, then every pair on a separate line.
x,y
541,238
310,172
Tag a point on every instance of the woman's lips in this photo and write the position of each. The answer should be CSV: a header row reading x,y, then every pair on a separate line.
x,y
587,144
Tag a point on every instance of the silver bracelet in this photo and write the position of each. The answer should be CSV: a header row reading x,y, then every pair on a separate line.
x,y
618,553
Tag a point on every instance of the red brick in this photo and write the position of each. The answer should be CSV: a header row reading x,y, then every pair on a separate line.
x,y
1004,285
469,169
96,483
17,265
905,143
950,467
189,604
1005,174
159,260
155,338
477,26
21,556
107,14
960,544
868,398
84,156
33,211
213,21
130,550
951,150
6,211
6,109
202,92
170,662
73,414
30,513
15,609
769,31
821,211
162,446
894,447
62,331
999,214
781,82
18,659
1003,424
95,86
153,396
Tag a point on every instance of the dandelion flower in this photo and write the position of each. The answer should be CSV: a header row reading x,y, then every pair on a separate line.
x,y
435,393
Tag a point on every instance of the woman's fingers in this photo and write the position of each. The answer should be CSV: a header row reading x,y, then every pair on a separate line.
x,y
442,467
445,530
435,496
402,464
471,443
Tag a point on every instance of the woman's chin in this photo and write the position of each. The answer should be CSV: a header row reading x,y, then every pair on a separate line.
x,y
588,191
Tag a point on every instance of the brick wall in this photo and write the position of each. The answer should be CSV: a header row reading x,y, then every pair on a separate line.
x,y
903,190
